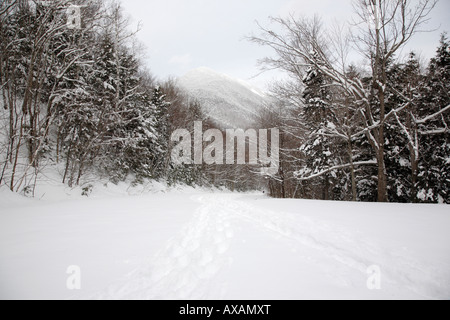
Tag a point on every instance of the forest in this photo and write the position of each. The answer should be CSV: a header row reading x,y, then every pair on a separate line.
x,y
77,98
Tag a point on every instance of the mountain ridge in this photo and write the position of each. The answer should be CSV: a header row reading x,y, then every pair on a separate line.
x,y
229,102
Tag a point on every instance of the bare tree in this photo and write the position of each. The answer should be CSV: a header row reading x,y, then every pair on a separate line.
x,y
383,28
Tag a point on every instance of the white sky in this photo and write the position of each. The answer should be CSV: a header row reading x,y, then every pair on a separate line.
x,y
181,35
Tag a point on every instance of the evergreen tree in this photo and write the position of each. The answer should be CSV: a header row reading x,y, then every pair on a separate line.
x,y
434,181
319,118
160,148
405,83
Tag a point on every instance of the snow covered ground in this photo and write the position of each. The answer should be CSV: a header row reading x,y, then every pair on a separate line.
x,y
216,245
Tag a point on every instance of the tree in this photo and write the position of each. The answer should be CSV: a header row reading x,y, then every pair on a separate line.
x,y
81,96
385,27
402,137
318,116
183,112
37,52
434,169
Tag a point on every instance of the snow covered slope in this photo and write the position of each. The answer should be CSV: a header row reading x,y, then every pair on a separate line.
x,y
229,102
203,245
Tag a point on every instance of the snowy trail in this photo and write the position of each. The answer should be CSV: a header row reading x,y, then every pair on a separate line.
x,y
203,245
192,265
186,267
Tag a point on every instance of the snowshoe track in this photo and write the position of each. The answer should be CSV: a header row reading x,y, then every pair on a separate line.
x,y
185,268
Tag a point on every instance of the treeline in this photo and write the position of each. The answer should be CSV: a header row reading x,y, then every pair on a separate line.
x,y
375,132
79,97
76,98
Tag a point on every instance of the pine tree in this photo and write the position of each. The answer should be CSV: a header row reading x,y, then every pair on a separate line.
x,y
160,147
138,153
320,150
405,83
434,181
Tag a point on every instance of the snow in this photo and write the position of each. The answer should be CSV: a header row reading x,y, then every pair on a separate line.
x,y
198,244
229,102
422,195
404,162
331,125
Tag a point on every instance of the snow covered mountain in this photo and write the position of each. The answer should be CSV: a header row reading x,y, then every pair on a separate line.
x,y
229,102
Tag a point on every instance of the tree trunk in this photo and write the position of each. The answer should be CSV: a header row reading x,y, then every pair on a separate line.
x,y
282,184
4,165
16,157
12,123
382,179
352,170
66,171
80,173
379,84
326,189
414,178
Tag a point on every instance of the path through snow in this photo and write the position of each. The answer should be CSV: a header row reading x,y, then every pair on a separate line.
x,y
234,247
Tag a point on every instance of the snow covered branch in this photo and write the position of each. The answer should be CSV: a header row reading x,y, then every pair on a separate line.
x,y
434,132
412,142
340,167
7,8
431,117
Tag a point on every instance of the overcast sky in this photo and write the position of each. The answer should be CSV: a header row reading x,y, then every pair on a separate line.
x,y
181,35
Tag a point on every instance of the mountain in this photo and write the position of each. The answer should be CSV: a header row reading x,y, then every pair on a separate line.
x,y
229,102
